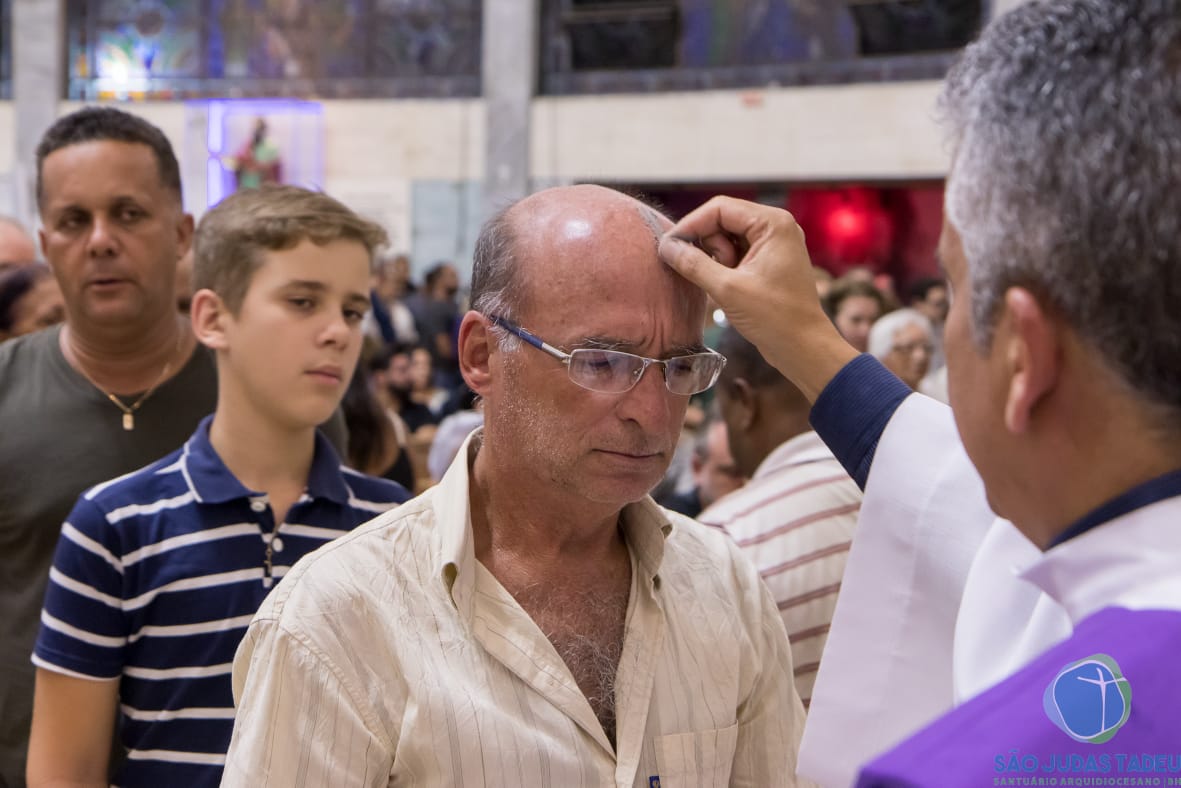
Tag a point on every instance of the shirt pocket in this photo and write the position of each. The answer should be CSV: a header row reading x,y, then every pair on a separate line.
x,y
696,760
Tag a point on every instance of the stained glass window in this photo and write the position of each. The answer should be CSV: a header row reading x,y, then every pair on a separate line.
x,y
594,45
239,48
427,37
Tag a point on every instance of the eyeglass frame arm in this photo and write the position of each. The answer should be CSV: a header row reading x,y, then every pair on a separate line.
x,y
532,339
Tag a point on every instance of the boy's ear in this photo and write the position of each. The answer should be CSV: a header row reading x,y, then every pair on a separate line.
x,y
209,316
475,347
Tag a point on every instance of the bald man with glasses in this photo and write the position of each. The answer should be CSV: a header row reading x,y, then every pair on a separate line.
x,y
536,619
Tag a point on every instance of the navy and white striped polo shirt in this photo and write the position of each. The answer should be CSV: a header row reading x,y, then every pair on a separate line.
x,y
155,578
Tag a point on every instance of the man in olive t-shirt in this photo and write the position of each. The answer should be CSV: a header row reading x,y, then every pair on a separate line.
x,y
58,437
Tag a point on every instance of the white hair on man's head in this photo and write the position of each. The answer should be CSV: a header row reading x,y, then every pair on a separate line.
x,y
881,336
1065,120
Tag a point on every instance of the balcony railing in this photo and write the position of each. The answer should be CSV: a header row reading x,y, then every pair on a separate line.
x,y
594,46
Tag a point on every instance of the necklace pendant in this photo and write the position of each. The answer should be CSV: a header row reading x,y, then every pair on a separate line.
x,y
128,422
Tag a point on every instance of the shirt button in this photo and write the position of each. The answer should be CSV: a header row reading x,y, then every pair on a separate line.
x,y
258,505
277,545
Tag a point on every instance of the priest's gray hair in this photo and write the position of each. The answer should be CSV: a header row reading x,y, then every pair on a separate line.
x,y
1065,124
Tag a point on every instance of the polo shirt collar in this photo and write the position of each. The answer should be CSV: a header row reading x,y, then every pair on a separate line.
x,y
212,482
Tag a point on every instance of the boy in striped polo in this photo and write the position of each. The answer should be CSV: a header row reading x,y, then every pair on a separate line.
x,y
158,573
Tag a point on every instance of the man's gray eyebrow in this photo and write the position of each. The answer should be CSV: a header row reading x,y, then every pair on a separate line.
x,y
603,343
615,343
688,350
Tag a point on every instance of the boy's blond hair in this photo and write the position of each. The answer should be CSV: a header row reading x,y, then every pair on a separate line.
x,y
232,236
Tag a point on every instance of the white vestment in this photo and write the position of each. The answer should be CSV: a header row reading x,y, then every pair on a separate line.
x,y
932,609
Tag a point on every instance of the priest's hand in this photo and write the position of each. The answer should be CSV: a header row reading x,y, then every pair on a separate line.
x,y
752,260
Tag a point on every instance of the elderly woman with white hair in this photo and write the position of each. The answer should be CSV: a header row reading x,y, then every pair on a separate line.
x,y
903,341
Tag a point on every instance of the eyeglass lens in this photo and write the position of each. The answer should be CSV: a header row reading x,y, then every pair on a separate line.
x,y
612,371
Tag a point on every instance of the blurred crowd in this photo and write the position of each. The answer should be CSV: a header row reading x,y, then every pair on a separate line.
x,y
903,331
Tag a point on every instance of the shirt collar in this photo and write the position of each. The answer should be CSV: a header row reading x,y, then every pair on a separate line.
x,y
212,482
802,449
1151,491
645,527
451,502
1126,563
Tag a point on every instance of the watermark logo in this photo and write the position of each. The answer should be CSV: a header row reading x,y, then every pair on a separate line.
x,y
1089,700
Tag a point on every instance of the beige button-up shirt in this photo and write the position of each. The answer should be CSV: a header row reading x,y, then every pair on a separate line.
x,y
393,657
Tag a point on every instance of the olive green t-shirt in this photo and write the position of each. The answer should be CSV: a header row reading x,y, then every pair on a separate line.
x,y
60,436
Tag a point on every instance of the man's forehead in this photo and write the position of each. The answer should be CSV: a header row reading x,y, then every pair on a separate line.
x,y
581,246
576,211
100,164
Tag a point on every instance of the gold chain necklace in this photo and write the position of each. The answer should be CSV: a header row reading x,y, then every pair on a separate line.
x,y
129,410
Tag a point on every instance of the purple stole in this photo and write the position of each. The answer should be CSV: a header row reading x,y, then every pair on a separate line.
x,y
1105,703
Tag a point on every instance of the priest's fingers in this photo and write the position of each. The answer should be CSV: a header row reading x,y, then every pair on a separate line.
x,y
762,279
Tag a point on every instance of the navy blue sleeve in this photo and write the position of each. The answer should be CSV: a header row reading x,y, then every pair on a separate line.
x,y
83,624
853,410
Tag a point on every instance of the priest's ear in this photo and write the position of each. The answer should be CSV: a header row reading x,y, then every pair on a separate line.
x,y
1031,351
210,318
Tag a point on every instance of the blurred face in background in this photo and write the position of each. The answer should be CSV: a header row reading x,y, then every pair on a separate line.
x,y
910,355
855,316
398,375
934,305
16,246
715,474
392,276
40,306
420,369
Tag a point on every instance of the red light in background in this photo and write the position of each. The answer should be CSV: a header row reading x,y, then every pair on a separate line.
x,y
847,223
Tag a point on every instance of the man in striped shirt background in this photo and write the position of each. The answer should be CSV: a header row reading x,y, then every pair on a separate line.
x,y
158,573
795,518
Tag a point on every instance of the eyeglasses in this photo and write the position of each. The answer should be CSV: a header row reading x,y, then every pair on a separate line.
x,y
615,372
911,347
